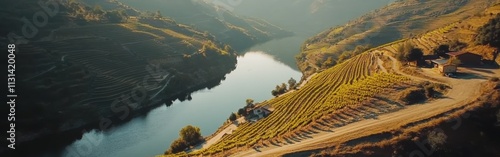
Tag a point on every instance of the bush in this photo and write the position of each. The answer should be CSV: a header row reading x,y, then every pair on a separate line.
x,y
190,134
232,117
177,146
413,95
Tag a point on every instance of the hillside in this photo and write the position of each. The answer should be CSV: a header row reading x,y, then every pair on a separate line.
x,y
401,19
93,64
227,27
330,98
333,111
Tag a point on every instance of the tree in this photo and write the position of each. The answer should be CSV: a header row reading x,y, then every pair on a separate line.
x,y
177,146
292,83
415,54
441,50
232,117
249,102
283,88
275,93
489,34
408,53
190,134
242,112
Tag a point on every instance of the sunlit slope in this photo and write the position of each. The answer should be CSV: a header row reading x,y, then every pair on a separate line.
x,y
351,83
463,31
402,19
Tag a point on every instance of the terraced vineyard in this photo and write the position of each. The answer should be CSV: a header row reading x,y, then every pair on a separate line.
x,y
312,107
82,70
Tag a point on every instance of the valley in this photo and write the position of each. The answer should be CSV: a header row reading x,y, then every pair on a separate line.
x,y
120,78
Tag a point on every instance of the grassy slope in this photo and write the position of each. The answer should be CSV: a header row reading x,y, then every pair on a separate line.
x,y
463,31
399,20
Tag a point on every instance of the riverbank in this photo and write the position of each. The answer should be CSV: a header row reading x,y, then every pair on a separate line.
x,y
44,140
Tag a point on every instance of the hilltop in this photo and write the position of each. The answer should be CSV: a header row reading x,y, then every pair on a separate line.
x,y
401,19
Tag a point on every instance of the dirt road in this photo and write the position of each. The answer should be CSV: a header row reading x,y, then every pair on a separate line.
x,y
462,90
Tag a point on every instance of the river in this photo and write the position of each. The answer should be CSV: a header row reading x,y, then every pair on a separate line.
x,y
256,74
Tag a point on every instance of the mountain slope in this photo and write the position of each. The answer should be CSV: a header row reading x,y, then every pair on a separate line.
x,y
90,64
239,32
401,19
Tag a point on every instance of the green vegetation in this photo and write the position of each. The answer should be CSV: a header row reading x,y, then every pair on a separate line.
x,y
232,117
489,34
399,20
292,84
189,136
408,52
279,90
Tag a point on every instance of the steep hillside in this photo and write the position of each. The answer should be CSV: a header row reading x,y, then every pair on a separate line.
x,y
335,97
457,36
401,19
239,32
89,64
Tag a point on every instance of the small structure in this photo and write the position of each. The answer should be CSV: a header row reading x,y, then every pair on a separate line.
x,y
261,112
466,58
254,114
444,66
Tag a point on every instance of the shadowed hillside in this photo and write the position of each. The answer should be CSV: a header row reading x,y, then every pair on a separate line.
x,y
93,63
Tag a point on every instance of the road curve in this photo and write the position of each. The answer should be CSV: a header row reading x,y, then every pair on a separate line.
x,y
462,90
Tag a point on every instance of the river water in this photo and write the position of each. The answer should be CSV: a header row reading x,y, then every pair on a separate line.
x,y
256,74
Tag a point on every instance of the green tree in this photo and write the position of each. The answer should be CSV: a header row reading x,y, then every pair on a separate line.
x,y
489,34
441,50
283,88
292,83
232,117
242,112
190,134
275,93
249,102
177,146
415,54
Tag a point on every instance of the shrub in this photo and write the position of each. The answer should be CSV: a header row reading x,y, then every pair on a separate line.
x,y
413,95
177,146
489,33
232,117
190,134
